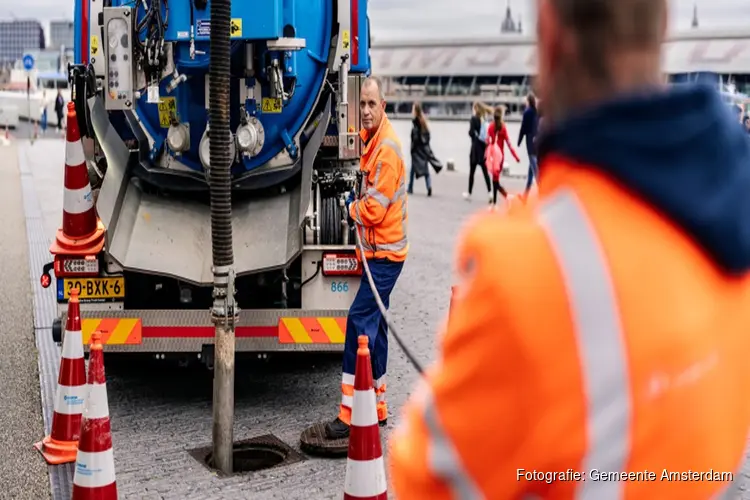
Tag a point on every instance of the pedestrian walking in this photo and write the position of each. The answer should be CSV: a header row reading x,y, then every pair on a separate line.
x,y
529,127
59,108
497,138
422,156
380,217
478,127
43,112
636,362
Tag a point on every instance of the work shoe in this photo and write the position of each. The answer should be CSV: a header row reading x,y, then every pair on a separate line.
x,y
429,192
337,429
340,430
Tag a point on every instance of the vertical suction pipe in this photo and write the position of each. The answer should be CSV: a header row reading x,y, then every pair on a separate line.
x,y
224,312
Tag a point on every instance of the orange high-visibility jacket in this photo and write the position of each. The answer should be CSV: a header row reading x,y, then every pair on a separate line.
x,y
600,332
380,210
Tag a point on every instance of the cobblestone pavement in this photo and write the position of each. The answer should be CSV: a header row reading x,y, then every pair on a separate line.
x,y
159,412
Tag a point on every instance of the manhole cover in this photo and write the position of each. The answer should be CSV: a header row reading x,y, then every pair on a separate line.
x,y
259,453
313,441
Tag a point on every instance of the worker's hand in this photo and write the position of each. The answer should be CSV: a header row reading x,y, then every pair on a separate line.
x,y
349,200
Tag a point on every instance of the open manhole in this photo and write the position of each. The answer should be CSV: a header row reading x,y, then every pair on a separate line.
x,y
250,455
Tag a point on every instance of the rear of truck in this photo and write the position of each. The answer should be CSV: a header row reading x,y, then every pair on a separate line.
x,y
141,96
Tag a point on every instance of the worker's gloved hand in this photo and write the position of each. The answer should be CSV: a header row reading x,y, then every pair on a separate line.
x,y
349,201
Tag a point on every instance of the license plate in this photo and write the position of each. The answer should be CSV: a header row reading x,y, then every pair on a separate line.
x,y
93,288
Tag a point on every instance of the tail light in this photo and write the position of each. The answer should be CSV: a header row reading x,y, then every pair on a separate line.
x,y
76,266
341,264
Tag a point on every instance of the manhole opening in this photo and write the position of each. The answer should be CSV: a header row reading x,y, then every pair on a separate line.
x,y
251,455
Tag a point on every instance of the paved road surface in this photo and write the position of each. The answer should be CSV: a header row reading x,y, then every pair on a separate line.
x,y
23,474
159,412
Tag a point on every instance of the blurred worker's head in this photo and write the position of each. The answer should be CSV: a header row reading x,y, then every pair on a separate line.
x,y
591,50
372,103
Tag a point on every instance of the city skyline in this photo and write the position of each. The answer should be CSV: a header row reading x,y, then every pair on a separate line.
x,y
418,19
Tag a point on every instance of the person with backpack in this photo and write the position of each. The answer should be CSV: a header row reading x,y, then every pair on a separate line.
x,y
497,138
478,127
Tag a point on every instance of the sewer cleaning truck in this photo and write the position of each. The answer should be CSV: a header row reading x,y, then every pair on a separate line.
x,y
142,97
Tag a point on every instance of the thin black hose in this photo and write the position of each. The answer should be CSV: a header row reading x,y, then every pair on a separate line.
x,y
219,139
386,314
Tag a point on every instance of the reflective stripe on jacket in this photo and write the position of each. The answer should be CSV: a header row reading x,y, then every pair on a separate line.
x,y
381,208
590,336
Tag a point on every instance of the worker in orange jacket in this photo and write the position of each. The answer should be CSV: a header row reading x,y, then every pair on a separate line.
x,y
598,343
379,214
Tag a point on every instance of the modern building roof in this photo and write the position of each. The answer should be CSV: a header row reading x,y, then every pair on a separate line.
x,y
719,51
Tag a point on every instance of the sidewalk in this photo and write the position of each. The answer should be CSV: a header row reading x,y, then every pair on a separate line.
x,y
23,472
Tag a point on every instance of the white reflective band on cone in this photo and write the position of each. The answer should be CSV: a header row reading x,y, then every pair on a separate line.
x,y
94,470
69,399
347,378
72,345
78,201
74,153
365,478
364,412
601,348
97,406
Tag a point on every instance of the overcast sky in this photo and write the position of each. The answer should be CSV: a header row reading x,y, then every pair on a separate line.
x,y
402,19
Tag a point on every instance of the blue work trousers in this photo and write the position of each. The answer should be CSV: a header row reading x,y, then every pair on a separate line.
x,y
365,319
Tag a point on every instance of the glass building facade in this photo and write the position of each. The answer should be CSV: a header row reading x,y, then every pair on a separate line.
x,y
17,37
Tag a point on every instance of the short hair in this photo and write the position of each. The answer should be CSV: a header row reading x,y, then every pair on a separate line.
x,y
370,80
604,26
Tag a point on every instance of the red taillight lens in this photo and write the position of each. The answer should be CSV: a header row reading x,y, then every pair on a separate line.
x,y
341,264
76,266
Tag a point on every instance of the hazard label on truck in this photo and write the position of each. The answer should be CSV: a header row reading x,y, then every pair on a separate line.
x,y
271,105
94,45
235,28
345,40
167,109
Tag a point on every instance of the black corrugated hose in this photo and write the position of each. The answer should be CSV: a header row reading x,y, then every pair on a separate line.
x,y
383,310
219,139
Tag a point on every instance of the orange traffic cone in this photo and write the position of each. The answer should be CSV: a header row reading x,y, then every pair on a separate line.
x,y
82,233
94,477
365,469
61,445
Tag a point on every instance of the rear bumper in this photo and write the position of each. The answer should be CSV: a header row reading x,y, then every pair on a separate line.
x,y
187,331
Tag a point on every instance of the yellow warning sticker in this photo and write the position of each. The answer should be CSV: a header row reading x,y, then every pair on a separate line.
x,y
167,109
235,28
94,45
271,105
345,40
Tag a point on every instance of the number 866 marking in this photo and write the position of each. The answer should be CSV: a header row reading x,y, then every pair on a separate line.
x,y
339,287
